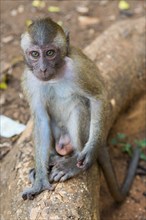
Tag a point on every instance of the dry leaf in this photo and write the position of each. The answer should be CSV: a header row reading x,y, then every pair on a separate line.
x,y
28,22
3,85
7,39
53,9
60,23
124,5
38,4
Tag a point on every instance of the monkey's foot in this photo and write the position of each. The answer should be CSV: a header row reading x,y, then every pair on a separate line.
x,y
52,162
64,169
37,188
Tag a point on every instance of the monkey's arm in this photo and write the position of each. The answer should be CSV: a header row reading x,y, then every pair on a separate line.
x,y
43,143
89,153
96,148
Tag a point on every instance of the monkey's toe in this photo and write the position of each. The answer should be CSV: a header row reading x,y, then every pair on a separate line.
x,y
58,176
28,195
31,175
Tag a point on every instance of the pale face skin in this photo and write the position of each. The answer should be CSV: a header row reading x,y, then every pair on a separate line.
x,y
43,61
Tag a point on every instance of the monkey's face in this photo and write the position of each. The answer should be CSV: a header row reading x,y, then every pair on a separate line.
x,y
44,61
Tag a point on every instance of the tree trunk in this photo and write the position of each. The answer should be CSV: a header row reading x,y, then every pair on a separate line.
x,y
119,54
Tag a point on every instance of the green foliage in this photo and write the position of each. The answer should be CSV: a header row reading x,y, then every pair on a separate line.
x,y
114,141
143,156
3,83
120,139
141,143
121,136
127,148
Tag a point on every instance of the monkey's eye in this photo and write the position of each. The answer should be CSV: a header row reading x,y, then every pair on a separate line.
x,y
34,54
50,53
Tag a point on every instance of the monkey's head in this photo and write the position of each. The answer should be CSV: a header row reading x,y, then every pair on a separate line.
x,y
45,46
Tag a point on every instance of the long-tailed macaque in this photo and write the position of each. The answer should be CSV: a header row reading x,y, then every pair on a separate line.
x,y
67,98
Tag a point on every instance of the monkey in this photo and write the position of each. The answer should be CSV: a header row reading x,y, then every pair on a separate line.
x,y
68,101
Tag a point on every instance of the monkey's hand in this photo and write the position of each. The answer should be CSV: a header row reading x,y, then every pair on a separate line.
x,y
39,185
85,159
64,169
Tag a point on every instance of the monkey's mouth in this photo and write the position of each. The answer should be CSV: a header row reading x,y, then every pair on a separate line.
x,y
45,77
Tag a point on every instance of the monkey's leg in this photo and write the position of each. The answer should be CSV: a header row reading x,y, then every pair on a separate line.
x,y
52,162
118,193
43,142
66,167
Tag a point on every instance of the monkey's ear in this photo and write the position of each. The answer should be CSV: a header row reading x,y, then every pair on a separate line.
x,y
67,34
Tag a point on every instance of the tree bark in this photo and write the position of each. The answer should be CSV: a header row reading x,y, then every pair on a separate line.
x,y
119,53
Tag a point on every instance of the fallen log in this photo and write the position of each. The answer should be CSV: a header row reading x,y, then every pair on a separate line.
x,y
119,54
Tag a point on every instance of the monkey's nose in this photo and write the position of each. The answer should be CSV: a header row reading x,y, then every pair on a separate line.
x,y
43,70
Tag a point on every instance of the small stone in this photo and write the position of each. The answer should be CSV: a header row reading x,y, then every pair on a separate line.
x,y
103,2
113,102
2,99
85,20
91,31
138,10
138,177
14,12
112,18
21,95
20,9
4,67
34,213
82,10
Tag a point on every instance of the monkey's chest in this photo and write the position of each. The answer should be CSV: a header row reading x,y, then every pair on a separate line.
x,y
62,103
60,108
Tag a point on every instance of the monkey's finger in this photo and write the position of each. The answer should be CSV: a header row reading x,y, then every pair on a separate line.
x,y
84,164
80,160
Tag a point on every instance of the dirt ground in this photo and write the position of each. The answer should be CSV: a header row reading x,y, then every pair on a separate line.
x,y
14,15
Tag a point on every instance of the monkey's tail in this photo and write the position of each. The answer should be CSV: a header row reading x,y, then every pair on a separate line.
x,y
118,193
